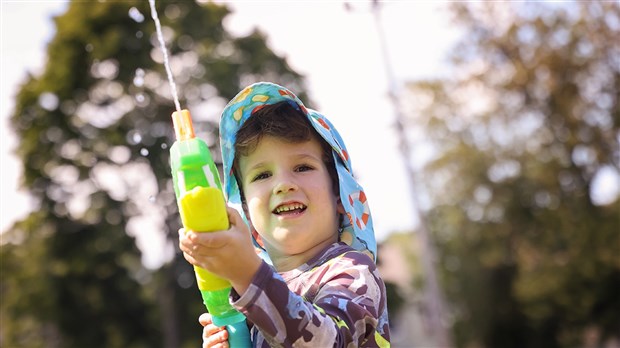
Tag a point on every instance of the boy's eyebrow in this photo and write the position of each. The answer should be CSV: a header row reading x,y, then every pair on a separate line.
x,y
305,155
300,156
256,166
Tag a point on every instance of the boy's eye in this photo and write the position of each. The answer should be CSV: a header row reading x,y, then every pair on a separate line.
x,y
303,168
260,176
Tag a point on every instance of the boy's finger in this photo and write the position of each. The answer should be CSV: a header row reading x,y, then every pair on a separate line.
x,y
205,319
186,246
213,330
234,217
220,337
217,339
223,335
185,243
214,240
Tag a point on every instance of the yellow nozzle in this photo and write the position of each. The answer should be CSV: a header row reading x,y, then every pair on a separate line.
x,y
183,127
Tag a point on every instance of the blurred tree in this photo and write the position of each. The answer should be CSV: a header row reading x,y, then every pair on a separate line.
x,y
94,130
523,180
400,269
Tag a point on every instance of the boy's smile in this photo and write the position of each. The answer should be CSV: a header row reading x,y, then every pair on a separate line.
x,y
289,196
290,209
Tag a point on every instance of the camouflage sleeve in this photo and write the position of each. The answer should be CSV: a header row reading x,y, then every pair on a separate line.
x,y
348,309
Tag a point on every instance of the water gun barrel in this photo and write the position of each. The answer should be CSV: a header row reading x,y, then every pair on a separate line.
x,y
202,208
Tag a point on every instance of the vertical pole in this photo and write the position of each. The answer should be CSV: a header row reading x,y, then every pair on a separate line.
x,y
433,295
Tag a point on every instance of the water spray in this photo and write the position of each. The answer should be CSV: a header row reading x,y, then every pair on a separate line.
x,y
162,44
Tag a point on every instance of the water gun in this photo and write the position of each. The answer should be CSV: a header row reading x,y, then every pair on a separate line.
x,y
202,208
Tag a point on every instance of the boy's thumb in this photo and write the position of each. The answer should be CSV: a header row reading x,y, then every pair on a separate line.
x,y
205,319
234,217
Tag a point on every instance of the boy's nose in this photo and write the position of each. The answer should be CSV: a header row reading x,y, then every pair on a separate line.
x,y
284,185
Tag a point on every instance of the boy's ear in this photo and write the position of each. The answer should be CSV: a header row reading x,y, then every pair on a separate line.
x,y
339,206
244,206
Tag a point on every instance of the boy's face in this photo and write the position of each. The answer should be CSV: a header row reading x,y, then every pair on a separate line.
x,y
289,196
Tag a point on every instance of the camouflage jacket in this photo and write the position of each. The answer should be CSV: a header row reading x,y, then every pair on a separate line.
x,y
337,299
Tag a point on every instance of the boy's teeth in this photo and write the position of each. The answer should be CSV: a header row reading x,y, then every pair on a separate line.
x,y
289,207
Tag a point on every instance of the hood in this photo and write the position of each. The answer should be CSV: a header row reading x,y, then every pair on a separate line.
x,y
356,229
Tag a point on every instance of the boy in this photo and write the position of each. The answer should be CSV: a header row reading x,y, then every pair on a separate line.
x,y
288,168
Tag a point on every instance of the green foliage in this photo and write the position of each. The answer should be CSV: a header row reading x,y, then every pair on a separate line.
x,y
522,129
94,132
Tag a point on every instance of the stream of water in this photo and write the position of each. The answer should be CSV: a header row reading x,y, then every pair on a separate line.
x,y
162,44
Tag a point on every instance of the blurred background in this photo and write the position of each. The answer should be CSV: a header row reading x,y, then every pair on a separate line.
x,y
486,136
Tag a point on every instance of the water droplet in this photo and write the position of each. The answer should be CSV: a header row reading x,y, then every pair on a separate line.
x,y
48,101
141,99
138,78
136,15
164,146
144,151
139,34
133,137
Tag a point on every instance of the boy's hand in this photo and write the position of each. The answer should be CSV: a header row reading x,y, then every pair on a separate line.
x,y
229,254
212,336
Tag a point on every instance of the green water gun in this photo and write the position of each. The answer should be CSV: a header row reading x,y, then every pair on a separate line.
x,y
202,208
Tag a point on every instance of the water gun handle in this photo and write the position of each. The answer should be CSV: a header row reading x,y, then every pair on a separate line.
x,y
203,209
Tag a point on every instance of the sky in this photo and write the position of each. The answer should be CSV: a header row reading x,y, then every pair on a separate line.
x,y
337,49
19,54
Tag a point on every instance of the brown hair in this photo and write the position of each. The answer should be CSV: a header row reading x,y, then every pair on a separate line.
x,y
281,120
